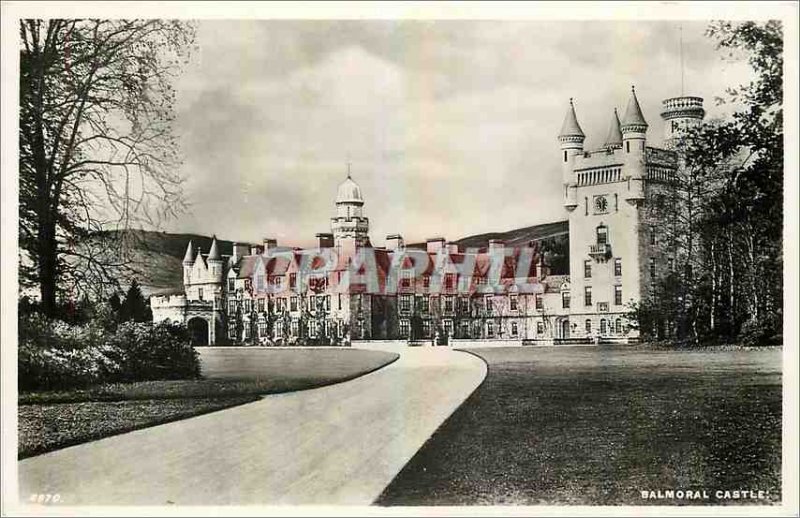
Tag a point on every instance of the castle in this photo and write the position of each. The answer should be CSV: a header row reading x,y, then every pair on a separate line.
x,y
347,289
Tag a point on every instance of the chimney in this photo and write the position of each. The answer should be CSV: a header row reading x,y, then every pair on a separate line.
x,y
255,249
395,242
434,244
496,245
269,244
239,251
452,248
324,240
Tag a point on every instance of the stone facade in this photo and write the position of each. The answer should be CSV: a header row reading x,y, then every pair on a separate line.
x,y
273,294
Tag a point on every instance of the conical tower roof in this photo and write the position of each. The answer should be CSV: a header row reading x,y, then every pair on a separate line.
x,y
614,136
199,258
213,254
571,128
189,256
633,113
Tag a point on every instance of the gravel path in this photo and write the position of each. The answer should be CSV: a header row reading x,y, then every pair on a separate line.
x,y
340,444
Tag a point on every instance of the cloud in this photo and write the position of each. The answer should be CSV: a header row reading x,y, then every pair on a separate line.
x,y
451,126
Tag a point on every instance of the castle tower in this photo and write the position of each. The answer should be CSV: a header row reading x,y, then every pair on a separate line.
x,y
214,262
614,135
188,262
349,226
571,139
680,113
634,140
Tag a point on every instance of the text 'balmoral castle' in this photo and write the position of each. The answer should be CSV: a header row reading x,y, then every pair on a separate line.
x,y
347,289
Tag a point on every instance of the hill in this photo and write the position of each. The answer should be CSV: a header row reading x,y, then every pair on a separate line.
x,y
159,255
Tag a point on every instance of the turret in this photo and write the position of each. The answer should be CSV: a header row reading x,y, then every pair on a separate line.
x,y
614,135
214,262
634,138
680,113
571,139
188,261
350,228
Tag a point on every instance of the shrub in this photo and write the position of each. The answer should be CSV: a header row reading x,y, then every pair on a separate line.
x,y
757,332
55,355
147,352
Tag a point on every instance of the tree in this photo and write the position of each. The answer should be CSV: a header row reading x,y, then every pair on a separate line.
x,y
135,307
96,150
724,210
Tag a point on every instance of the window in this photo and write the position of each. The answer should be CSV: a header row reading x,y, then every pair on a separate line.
x,y
449,281
231,284
513,302
628,146
602,307
488,304
448,327
480,280
565,155
231,307
514,329
586,205
405,303
602,235
312,329
603,326
295,327
618,326
618,295
426,328
292,280
248,284
652,237
587,296
327,302
294,303
232,333
200,293
261,304
339,297
489,329
652,267
618,266
539,328
464,329
260,282
565,300
426,281
449,306
405,279
587,269
465,304
246,305
247,330
423,304
405,328
539,303
588,326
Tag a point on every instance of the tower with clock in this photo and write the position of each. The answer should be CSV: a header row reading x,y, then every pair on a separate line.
x,y
617,245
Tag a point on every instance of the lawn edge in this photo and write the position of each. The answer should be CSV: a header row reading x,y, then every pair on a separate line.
x,y
248,398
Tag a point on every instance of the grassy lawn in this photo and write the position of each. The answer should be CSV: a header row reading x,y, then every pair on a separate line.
x,y
52,420
597,425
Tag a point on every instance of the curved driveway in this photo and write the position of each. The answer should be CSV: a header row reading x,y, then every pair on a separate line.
x,y
340,444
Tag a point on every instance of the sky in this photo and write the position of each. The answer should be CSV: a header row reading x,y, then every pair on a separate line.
x,y
450,126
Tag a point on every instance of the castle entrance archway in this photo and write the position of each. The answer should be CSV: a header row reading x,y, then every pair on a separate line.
x,y
198,331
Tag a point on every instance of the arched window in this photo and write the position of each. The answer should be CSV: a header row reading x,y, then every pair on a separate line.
x,y
588,326
618,326
603,326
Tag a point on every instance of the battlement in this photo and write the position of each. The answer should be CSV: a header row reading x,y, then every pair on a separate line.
x,y
160,301
687,106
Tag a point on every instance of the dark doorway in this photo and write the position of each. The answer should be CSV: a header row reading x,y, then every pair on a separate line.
x,y
198,331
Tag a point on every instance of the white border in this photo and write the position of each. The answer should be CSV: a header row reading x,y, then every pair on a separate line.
x,y
13,11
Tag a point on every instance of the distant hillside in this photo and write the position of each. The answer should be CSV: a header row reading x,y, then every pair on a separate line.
x,y
159,255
